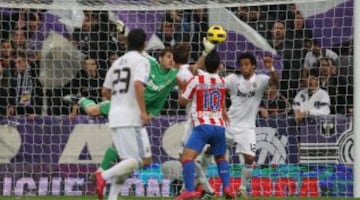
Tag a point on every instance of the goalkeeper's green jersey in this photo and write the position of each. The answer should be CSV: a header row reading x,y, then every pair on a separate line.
x,y
157,89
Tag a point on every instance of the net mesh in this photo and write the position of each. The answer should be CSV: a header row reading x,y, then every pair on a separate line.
x,y
136,5
50,148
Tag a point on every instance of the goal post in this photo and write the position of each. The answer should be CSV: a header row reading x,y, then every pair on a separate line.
x,y
356,99
52,148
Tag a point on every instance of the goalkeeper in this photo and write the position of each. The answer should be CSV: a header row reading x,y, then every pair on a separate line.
x,y
160,84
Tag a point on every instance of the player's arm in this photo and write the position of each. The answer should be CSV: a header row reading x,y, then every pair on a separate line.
x,y
92,109
181,79
188,93
139,90
200,63
263,111
142,71
225,115
269,64
228,83
181,84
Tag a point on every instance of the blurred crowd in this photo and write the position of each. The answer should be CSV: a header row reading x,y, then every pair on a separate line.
x,y
25,90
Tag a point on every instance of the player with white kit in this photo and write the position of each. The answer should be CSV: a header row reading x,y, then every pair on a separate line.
x,y
246,91
124,84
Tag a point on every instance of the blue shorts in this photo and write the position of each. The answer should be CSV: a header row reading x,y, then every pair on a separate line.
x,y
208,134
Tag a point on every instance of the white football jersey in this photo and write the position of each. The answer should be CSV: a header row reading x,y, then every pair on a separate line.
x,y
184,75
316,104
120,78
245,96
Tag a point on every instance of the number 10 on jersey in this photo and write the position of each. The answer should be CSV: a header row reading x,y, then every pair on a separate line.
x,y
212,100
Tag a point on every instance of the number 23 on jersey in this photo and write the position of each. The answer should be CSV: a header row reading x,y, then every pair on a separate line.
x,y
121,80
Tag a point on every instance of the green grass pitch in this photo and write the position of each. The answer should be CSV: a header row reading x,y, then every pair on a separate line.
x,y
150,198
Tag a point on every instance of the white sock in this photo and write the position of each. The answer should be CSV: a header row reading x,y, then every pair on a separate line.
x,y
115,187
246,173
205,161
201,178
123,168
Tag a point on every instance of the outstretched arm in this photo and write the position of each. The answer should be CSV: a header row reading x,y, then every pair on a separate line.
x,y
200,63
269,64
139,91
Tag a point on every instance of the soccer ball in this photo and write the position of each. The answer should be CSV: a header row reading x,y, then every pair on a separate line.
x,y
216,34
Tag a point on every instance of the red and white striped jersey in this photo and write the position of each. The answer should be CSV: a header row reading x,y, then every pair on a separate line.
x,y
207,94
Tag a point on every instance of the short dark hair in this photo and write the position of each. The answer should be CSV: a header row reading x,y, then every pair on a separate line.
x,y
166,50
247,55
314,72
181,53
136,39
212,62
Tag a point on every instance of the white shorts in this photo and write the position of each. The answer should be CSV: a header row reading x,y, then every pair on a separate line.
x,y
131,142
187,132
245,140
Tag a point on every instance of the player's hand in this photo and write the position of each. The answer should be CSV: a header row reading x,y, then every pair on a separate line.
x,y
268,62
208,46
120,27
226,118
145,118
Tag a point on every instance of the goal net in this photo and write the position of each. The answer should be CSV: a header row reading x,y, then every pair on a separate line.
x,y
52,48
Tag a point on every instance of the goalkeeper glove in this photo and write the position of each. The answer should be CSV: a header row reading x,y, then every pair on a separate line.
x,y
208,46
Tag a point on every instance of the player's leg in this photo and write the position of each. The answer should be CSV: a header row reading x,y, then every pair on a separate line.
x,y
246,148
115,187
145,153
200,173
143,143
206,158
126,142
246,174
89,106
193,147
218,149
201,167
110,158
134,151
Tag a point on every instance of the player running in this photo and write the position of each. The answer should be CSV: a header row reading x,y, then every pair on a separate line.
x,y
246,91
207,94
